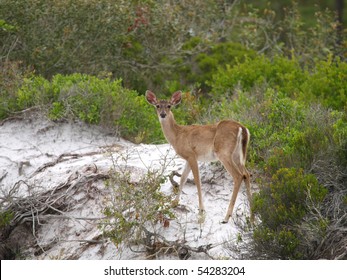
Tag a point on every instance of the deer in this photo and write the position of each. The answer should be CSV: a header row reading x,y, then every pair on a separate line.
x,y
225,141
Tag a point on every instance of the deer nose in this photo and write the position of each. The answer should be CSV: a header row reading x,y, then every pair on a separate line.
x,y
163,115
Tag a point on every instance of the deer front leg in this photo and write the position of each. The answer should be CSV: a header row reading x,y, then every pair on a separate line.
x,y
183,180
195,169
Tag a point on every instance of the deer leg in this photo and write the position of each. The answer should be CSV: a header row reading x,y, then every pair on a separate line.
x,y
238,177
237,184
195,169
183,180
248,192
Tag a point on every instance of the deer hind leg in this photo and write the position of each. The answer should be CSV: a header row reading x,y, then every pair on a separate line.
x,y
247,179
183,180
237,175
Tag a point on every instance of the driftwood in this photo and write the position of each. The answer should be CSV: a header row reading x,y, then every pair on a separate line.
x,y
39,206
156,245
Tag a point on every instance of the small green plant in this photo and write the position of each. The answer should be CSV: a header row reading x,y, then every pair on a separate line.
x,y
136,209
5,218
6,27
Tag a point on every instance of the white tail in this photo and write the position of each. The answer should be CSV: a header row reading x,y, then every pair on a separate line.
x,y
225,141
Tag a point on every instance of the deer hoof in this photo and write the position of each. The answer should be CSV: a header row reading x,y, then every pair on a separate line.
x,y
201,216
251,219
226,220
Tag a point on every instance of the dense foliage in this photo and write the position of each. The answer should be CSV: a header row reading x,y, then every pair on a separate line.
x,y
324,81
300,147
95,100
283,78
149,44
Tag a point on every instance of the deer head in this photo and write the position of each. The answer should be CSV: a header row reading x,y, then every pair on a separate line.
x,y
163,107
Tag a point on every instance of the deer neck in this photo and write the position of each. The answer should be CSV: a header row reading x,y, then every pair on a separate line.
x,y
170,128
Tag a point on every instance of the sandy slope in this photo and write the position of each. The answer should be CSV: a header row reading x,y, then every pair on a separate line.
x,y
37,155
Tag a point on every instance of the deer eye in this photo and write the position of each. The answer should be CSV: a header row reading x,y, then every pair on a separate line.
x,y
168,106
158,106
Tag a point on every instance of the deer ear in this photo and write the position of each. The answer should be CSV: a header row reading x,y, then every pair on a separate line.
x,y
151,98
176,98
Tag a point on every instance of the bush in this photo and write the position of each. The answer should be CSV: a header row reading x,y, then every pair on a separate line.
x,y
283,202
136,210
93,100
281,244
130,39
11,79
296,218
325,82
299,151
294,32
203,59
147,42
5,219
281,73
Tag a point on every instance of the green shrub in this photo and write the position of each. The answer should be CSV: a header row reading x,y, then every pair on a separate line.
x,y
200,67
139,122
133,40
97,100
136,209
291,133
281,244
5,218
11,79
283,202
282,206
280,73
93,100
35,91
325,82
146,43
